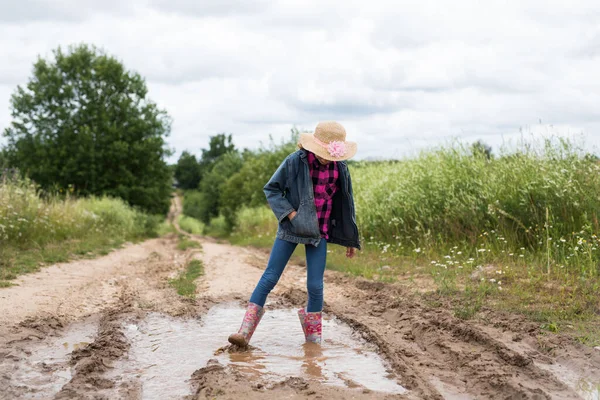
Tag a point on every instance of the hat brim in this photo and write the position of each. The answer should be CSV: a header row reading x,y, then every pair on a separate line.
x,y
307,140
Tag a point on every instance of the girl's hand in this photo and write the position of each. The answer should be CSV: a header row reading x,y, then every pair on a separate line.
x,y
350,252
292,215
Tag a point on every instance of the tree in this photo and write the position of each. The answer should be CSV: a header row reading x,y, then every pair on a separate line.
x,y
84,120
245,186
187,171
480,148
213,182
218,146
3,160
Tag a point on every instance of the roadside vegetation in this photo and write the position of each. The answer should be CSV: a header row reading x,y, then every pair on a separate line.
x,y
185,242
84,130
38,228
190,225
184,283
517,231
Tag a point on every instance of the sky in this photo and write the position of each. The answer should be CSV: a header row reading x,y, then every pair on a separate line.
x,y
401,76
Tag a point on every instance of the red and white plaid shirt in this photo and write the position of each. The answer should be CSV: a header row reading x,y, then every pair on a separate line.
x,y
325,185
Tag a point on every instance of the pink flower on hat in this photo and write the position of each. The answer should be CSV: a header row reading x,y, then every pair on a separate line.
x,y
336,149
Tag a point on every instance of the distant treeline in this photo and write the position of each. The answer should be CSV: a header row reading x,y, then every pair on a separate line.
x,y
224,179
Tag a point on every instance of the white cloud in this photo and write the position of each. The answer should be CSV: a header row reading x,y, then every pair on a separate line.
x,y
58,10
215,7
400,75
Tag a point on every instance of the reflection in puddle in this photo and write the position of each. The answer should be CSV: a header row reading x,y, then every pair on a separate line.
x,y
166,351
588,390
582,385
46,370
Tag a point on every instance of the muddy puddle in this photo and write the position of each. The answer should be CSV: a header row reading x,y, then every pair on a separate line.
x,y
40,371
584,386
166,351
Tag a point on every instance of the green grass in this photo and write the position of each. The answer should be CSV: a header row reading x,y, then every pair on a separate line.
x,y
191,225
185,243
38,228
217,228
15,261
541,204
165,228
184,283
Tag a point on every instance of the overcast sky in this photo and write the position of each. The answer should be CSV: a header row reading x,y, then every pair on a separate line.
x,y
399,75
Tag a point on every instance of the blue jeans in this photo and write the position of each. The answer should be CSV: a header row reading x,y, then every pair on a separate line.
x,y
315,268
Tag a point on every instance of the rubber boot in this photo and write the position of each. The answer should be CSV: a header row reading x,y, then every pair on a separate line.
x,y
254,313
313,326
302,317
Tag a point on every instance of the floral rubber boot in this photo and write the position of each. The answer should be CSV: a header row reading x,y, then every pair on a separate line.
x,y
313,327
302,317
253,315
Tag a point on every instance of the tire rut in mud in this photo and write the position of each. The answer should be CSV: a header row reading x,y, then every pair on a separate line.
x,y
92,362
434,353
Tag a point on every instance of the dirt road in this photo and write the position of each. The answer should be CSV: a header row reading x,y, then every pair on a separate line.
x,y
113,328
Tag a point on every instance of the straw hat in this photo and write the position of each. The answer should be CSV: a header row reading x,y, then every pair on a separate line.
x,y
329,142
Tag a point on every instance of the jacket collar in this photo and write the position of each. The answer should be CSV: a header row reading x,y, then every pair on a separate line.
x,y
303,156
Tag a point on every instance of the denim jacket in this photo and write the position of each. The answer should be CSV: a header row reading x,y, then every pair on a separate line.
x,y
291,189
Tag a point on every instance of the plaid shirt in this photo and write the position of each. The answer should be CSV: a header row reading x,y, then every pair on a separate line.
x,y
325,184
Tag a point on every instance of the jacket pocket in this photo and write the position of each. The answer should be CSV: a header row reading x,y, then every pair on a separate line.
x,y
304,223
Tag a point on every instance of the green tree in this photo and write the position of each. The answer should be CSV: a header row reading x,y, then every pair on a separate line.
x,y
245,186
218,146
187,171
213,182
84,120
3,160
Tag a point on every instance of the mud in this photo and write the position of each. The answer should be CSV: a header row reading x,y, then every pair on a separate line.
x,y
112,328
165,351
40,370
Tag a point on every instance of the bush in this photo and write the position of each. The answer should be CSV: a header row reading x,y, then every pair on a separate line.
x,y
30,217
212,185
244,188
192,203
191,225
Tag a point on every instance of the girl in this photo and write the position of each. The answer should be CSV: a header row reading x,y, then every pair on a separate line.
x,y
311,196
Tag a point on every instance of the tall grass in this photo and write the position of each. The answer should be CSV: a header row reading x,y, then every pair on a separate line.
x,y
34,224
541,203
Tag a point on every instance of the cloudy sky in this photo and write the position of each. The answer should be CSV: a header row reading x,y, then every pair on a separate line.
x,y
400,75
